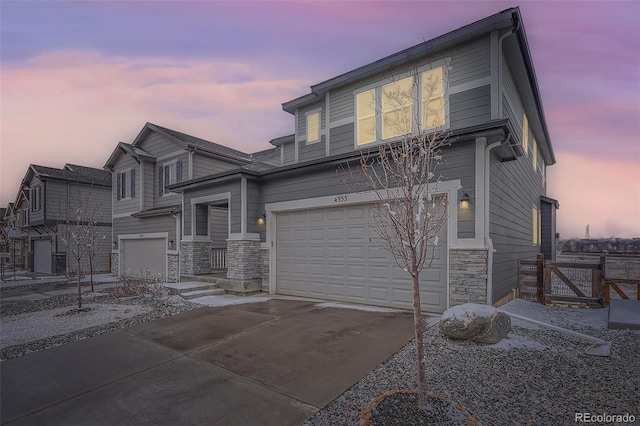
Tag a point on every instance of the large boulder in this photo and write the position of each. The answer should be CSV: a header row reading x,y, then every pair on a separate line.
x,y
479,323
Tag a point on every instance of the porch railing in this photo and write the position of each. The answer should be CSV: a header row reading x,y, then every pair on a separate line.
x,y
218,258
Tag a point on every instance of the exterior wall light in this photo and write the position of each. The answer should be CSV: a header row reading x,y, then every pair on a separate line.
x,y
465,201
262,219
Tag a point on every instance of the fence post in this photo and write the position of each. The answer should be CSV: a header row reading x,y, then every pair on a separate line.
x,y
540,277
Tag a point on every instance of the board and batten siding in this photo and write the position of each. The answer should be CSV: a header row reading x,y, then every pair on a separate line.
x,y
234,204
514,190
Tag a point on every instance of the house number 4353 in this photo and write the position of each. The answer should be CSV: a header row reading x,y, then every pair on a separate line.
x,y
340,199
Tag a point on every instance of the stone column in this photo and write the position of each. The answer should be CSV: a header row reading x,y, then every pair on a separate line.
x,y
114,263
244,259
468,271
172,268
264,251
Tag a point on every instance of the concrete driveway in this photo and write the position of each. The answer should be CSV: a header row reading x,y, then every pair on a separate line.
x,y
269,363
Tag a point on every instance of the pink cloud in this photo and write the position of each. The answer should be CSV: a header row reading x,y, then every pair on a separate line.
x,y
76,106
600,192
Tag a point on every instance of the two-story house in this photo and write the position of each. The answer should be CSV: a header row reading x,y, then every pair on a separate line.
x,y
148,224
300,230
51,201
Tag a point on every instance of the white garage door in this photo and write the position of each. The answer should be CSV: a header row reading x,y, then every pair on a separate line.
x,y
140,255
42,256
327,254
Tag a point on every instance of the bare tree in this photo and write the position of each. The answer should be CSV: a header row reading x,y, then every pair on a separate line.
x,y
401,174
78,230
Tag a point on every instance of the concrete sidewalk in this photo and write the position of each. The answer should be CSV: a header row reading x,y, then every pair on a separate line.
x,y
269,363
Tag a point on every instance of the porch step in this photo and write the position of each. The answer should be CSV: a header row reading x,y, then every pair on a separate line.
x,y
192,289
201,293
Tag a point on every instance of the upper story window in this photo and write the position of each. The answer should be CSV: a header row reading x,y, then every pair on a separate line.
x,y
401,107
126,184
313,126
168,174
536,227
25,217
36,198
525,134
534,154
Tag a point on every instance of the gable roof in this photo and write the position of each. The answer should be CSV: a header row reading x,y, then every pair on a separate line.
x,y
69,173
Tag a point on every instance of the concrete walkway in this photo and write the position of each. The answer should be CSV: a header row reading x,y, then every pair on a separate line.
x,y
268,363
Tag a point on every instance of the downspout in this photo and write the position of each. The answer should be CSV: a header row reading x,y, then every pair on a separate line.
x,y
487,162
487,237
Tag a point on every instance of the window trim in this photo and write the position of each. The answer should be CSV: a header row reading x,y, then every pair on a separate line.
x,y
525,133
416,105
125,185
536,225
162,176
36,198
308,114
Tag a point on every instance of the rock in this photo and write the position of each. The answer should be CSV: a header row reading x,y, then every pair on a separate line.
x,y
478,323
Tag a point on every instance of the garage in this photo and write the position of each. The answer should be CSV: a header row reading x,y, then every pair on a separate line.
x,y
144,254
326,253
42,256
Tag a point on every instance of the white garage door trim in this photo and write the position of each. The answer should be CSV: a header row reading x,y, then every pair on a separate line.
x,y
148,236
42,255
448,188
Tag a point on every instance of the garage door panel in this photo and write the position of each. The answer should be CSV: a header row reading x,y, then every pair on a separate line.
x,y
42,256
333,253
145,254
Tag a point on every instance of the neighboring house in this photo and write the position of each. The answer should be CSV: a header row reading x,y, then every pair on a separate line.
x,y
298,229
50,199
16,215
147,217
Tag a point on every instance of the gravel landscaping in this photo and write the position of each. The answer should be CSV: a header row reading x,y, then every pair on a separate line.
x,y
535,376
53,321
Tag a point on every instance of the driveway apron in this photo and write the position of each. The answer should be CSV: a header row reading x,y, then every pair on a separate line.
x,y
269,363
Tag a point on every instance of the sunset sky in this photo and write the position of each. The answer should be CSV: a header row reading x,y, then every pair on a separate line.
x,y
78,77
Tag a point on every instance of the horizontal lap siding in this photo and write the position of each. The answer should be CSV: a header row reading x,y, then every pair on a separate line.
x,y
470,108
129,205
254,207
102,260
460,162
219,228
342,139
311,151
512,104
515,189
147,225
342,104
204,166
469,62
288,153
149,184
63,199
159,145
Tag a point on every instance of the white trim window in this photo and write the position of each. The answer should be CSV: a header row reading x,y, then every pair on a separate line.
x,y
36,198
126,184
405,106
168,174
534,154
525,134
313,126
536,226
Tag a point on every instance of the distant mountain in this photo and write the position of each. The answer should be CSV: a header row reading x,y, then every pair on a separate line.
x,y
600,245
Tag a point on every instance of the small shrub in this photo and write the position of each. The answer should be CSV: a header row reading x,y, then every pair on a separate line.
x,y
142,284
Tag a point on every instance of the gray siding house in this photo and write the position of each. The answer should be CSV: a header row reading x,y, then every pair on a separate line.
x,y
149,222
298,229
48,199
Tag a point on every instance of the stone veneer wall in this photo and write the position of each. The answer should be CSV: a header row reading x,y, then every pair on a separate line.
x,y
196,257
244,259
114,264
264,251
468,271
172,268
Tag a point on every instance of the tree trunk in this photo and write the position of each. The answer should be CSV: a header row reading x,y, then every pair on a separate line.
x,y
91,271
417,325
79,287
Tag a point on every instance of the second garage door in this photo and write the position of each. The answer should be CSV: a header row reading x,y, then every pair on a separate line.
x,y
328,254
42,256
142,255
